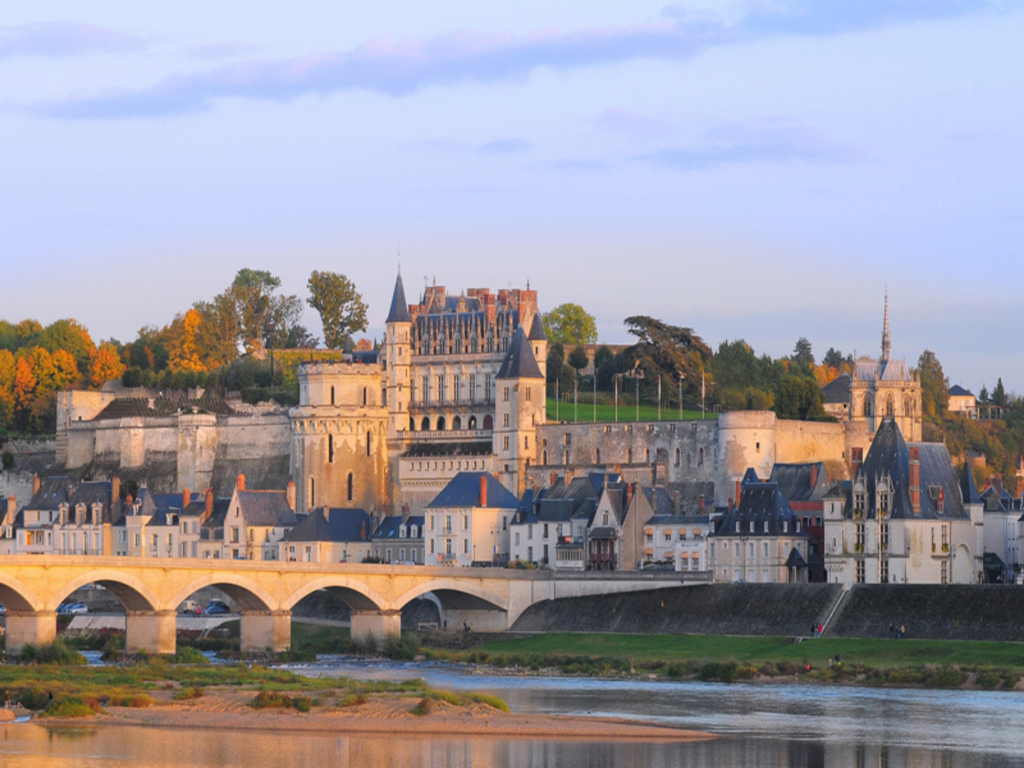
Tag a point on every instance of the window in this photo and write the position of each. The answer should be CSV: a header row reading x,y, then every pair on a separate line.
x,y
367,443
528,394
504,420
504,394
465,546
504,444
766,549
312,492
332,395
859,546
351,488
883,536
883,571
234,536
751,549
860,572
330,449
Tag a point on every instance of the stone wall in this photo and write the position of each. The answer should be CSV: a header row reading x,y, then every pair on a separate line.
x,y
31,457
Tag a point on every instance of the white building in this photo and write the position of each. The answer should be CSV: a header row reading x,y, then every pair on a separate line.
x,y
468,522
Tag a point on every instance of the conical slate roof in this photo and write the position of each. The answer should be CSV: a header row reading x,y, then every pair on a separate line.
x,y
399,312
519,362
537,329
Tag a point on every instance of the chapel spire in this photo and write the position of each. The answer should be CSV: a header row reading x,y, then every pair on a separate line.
x,y
886,345
399,312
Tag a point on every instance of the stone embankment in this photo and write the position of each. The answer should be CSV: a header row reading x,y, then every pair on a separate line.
x,y
939,612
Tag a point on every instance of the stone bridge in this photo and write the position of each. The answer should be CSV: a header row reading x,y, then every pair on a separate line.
x,y
151,590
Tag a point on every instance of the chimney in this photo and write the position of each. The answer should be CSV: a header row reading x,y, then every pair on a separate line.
x,y
554,477
362,531
240,483
115,489
186,498
35,484
814,475
675,502
739,488
483,490
290,494
12,510
856,462
629,494
207,506
703,504
915,479
405,512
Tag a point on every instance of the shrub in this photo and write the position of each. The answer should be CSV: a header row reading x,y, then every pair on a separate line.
x,y
187,655
57,653
425,706
726,671
33,698
365,644
133,700
72,706
8,460
188,693
988,679
352,700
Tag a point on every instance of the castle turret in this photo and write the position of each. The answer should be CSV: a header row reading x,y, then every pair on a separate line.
x,y
399,358
539,344
520,407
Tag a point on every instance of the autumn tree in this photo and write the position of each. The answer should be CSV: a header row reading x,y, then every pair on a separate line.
x,y
340,306
934,386
569,324
72,337
217,335
182,343
24,393
106,365
7,365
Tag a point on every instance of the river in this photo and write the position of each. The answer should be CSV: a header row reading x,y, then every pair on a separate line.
x,y
760,725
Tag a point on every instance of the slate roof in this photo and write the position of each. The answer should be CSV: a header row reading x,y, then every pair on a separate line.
x,y
96,492
968,490
463,491
889,457
265,508
519,362
678,520
537,329
837,390
957,391
795,481
866,369
761,511
795,559
126,407
338,525
390,525
399,312
53,491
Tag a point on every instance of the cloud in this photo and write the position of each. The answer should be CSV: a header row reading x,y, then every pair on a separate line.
x,y
761,142
64,38
404,67
223,50
632,124
504,147
579,166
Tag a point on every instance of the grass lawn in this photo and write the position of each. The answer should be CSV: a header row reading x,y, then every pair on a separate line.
x,y
672,648
648,412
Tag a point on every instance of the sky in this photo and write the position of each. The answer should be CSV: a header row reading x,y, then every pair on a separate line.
x,y
758,169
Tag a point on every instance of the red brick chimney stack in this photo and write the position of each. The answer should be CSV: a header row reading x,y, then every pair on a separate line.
x,y
675,502
814,475
240,483
35,484
186,498
207,505
739,488
629,494
554,477
115,489
915,479
702,504
483,490
856,461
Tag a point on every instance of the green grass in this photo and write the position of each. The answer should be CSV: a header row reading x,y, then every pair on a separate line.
x,y
627,412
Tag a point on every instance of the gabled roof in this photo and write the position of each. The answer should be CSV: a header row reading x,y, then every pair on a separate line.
x,y
99,492
265,508
957,391
795,481
389,528
399,312
837,390
761,511
968,489
519,362
463,491
53,491
337,525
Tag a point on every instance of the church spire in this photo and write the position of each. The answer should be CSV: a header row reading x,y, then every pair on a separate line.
x,y
886,346
399,312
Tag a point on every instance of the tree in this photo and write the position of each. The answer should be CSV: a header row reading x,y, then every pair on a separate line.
x,y
72,337
999,394
578,359
569,324
217,336
667,352
556,359
106,366
24,392
252,292
934,386
340,306
182,342
983,395
802,354
834,359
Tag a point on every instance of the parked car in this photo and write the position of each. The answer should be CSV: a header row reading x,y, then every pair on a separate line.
x,y
216,606
77,608
191,606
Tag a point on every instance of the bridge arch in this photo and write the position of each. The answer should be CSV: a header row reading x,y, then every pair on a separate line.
x,y
134,594
249,595
354,592
455,594
15,596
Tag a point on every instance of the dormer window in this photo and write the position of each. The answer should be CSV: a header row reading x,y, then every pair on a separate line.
x,y
737,526
883,503
785,526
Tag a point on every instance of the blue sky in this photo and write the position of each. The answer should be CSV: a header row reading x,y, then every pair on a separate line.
x,y
758,170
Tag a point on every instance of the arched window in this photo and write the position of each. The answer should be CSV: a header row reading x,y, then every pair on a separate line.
x,y
367,443
312,493
544,458
889,406
629,456
440,422
867,404
412,424
425,425
332,395
647,455
364,395
330,449
597,455
700,457
351,488
677,457
457,422
488,422
472,422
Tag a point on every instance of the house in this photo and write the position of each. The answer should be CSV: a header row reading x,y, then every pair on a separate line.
x,y
761,539
256,521
399,541
83,526
551,523
34,524
673,539
615,536
962,401
8,540
467,522
1002,515
328,535
804,487
903,518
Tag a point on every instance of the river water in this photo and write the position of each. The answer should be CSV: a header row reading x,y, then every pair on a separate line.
x,y
760,725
